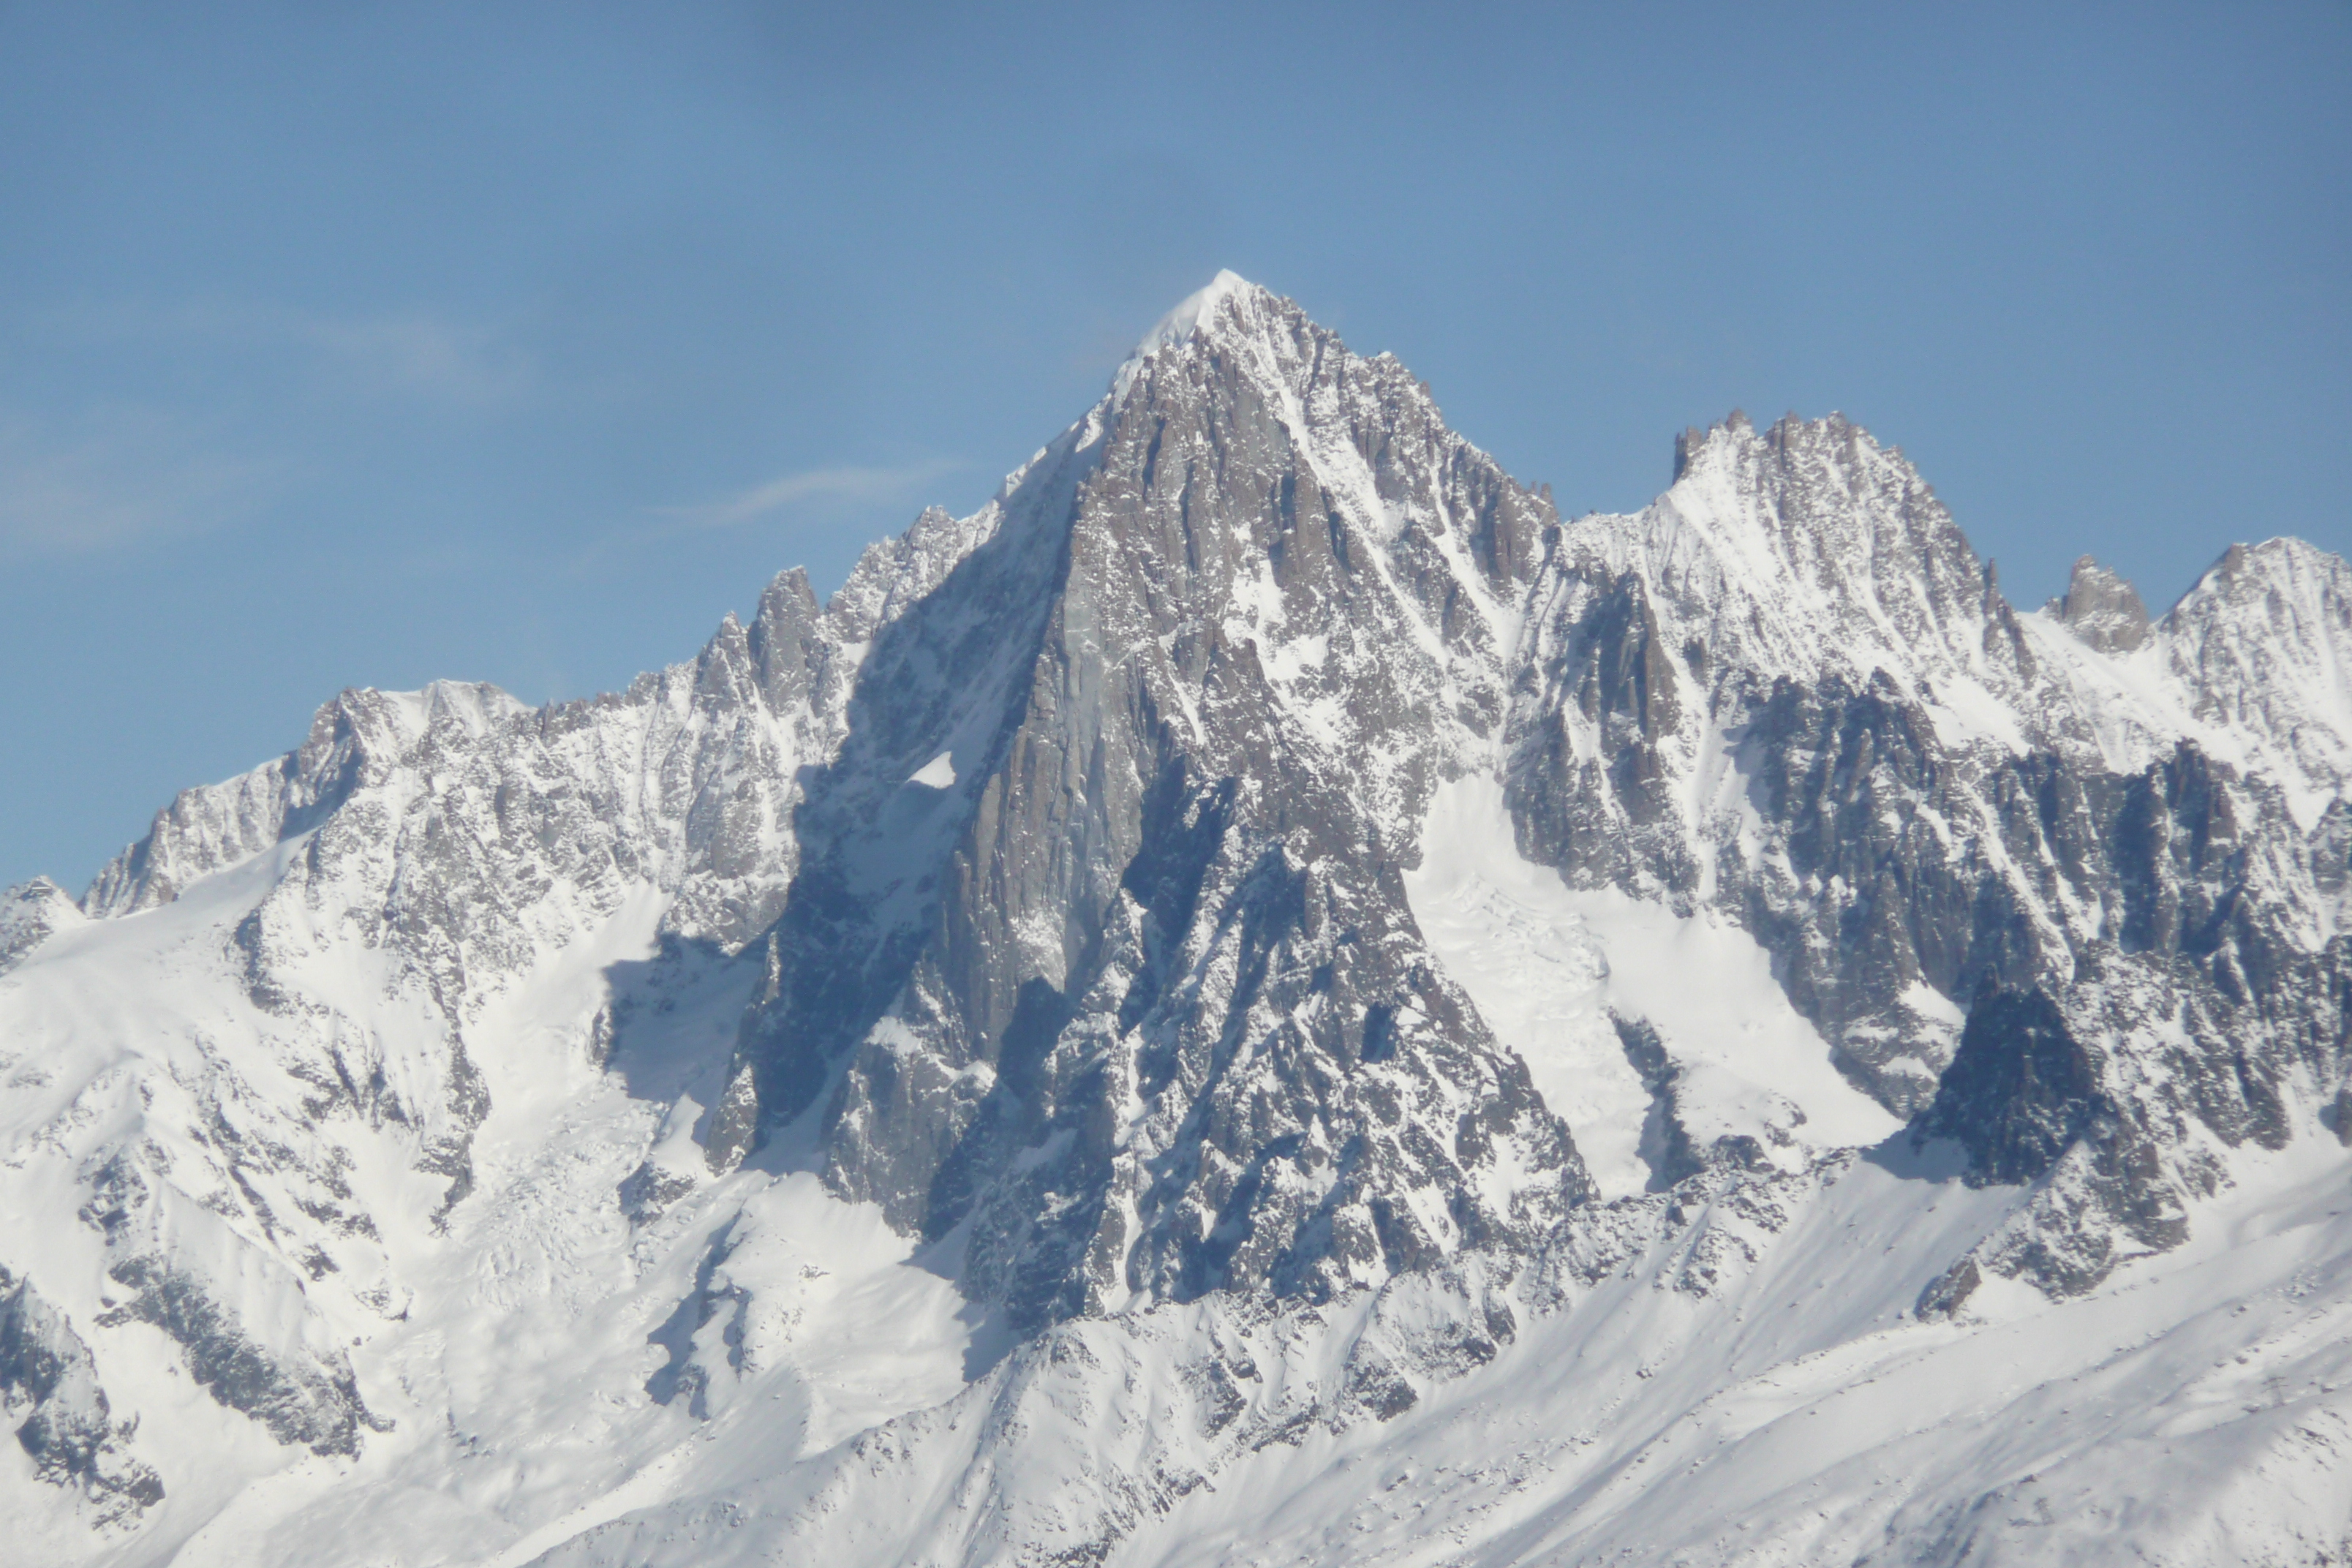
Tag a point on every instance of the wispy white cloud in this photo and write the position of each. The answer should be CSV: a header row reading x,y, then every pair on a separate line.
x,y
790,492
119,478
424,352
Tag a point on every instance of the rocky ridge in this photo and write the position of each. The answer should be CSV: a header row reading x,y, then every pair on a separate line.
x,y
1047,890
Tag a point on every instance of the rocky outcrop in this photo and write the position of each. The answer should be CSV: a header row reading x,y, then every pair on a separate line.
x,y
1136,994
31,913
309,1400
64,1423
2102,609
1045,890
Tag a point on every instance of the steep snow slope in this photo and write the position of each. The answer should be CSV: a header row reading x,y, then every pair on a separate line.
x,y
1730,1374
1262,998
2264,642
356,1134
500,1358
1594,989
1738,1371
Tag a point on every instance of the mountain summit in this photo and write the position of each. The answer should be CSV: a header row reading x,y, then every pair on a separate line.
x,y
1263,991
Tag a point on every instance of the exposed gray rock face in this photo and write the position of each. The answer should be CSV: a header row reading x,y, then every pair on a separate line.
x,y
1047,889
1792,692
2102,609
49,1387
1789,692
1072,829
296,1385
308,1400
1135,994
30,913
1748,696
1665,1147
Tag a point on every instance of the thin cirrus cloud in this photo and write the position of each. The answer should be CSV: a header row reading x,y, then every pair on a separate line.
x,y
122,478
420,351
793,492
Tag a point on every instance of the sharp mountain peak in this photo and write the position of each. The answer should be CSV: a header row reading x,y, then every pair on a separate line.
x,y
1258,952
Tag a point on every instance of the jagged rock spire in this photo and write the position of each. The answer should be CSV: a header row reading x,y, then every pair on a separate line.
x,y
2102,609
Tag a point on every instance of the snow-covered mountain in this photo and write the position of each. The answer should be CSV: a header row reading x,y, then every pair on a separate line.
x,y
1262,998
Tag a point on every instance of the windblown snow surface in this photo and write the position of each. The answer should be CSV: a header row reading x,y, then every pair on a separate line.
x,y
388,1175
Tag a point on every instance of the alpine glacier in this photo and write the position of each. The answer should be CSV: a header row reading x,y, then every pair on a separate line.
x,y
1265,998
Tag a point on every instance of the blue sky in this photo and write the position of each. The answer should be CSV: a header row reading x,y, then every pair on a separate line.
x,y
344,344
